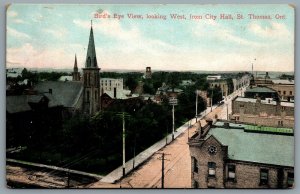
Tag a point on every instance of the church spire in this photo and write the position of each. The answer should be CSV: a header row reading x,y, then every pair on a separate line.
x,y
75,64
91,59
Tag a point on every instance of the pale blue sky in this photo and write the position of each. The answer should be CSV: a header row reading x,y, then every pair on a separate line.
x,y
49,36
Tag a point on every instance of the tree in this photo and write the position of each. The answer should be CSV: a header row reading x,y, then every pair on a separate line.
x,y
131,83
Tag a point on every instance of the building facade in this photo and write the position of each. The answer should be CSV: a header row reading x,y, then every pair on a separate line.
x,y
222,84
229,157
263,112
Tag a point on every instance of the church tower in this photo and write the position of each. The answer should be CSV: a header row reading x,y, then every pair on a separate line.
x,y
91,79
76,75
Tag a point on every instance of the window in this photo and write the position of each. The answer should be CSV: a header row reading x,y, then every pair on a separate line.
x,y
195,164
264,176
284,92
87,96
231,172
96,95
211,169
290,179
279,92
291,93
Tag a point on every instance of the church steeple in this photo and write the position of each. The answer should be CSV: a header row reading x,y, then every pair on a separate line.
x,y
76,74
91,59
75,64
91,79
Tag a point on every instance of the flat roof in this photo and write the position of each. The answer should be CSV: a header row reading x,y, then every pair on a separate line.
x,y
283,81
271,102
260,90
255,147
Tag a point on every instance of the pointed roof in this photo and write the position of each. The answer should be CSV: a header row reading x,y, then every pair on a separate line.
x,y
91,59
75,63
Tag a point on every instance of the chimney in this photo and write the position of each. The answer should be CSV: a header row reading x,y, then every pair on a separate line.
x,y
258,99
226,125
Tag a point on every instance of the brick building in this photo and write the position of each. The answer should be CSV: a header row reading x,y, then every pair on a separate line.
x,y
263,112
229,156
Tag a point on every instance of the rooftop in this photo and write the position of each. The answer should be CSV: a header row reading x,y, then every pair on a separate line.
x,y
260,90
255,147
283,81
66,93
266,101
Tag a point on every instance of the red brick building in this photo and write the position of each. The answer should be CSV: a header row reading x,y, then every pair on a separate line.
x,y
229,156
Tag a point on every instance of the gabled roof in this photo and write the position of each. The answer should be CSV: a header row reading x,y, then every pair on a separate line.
x,y
15,104
255,147
65,93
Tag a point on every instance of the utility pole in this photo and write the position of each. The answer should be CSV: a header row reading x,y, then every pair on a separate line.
x,y
196,105
227,109
173,101
134,151
68,179
163,169
211,101
123,118
173,124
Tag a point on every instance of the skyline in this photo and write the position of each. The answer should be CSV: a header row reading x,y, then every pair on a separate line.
x,y
49,36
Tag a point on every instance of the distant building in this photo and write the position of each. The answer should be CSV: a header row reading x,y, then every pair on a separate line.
x,y
213,77
13,72
186,83
222,84
229,155
114,88
65,78
148,74
262,92
285,88
164,92
243,81
263,112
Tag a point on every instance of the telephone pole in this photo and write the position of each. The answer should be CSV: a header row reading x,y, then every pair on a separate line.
x,y
196,105
123,144
163,169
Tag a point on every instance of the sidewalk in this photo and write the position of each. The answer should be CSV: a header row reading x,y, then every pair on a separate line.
x,y
117,174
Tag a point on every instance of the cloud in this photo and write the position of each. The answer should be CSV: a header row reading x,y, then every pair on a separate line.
x,y
276,31
131,40
12,13
211,28
57,32
17,34
28,56
18,21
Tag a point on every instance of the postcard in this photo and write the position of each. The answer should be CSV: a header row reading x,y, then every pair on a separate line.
x,y
150,96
